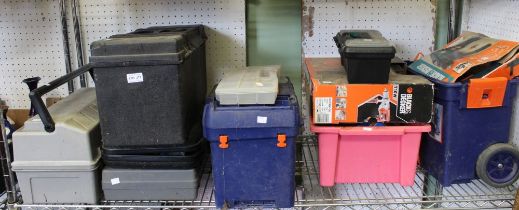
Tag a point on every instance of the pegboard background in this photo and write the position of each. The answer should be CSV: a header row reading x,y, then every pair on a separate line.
x,y
31,45
31,35
497,19
407,23
225,21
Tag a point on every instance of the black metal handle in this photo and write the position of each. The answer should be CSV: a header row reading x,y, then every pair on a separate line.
x,y
36,95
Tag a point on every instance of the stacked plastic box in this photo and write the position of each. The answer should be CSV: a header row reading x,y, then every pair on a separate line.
x,y
387,112
386,152
253,146
151,86
62,166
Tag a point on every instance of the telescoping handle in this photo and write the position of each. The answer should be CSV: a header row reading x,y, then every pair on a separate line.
x,y
36,95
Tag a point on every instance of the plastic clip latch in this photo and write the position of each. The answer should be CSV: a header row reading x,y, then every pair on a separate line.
x,y
224,142
486,93
282,141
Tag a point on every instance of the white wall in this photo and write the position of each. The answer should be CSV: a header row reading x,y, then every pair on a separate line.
x,y
409,24
31,42
497,19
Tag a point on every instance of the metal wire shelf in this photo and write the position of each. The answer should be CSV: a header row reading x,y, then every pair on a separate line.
x,y
474,195
310,195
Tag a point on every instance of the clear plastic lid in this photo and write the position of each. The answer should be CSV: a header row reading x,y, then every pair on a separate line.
x,y
252,85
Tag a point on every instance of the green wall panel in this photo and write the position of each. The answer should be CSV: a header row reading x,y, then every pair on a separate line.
x,y
274,36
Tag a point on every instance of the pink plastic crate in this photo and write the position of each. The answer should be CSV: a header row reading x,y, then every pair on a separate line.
x,y
380,154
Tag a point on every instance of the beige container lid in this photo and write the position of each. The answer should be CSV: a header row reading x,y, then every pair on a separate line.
x,y
75,142
252,85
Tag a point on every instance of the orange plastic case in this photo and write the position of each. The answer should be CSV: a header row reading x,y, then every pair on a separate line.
x,y
406,98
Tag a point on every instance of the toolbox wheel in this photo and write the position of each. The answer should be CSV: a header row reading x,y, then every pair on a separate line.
x,y
498,165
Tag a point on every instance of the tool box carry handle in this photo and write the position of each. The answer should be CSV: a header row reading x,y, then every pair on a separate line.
x,y
37,93
486,93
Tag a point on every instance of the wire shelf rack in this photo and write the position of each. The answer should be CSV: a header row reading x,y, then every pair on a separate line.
x,y
474,195
310,195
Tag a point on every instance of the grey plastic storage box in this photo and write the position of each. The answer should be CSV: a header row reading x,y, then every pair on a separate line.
x,y
59,184
151,86
150,184
252,85
61,166
366,55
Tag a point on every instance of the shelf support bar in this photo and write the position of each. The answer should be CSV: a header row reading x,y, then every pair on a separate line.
x,y
66,48
432,190
76,18
441,34
5,157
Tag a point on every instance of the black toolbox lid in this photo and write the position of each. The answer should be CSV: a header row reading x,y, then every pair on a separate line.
x,y
364,42
194,143
170,44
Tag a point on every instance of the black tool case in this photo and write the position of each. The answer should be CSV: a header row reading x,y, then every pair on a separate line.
x,y
183,156
366,55
188,160
151,85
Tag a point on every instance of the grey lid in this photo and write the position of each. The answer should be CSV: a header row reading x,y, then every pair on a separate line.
x,y
158,48
57,165
362,32
374,42
76,111
132,45
114,178
363,41
165,43
74,142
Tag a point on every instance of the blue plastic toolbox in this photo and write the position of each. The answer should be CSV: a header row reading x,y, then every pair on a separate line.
x,y
253,151
470,133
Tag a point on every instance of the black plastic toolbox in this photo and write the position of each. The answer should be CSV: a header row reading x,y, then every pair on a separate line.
x,y
151,86
366,56
182,156
193,143
145,164
179,150
188,160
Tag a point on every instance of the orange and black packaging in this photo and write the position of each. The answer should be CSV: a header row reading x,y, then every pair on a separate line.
x,y
405,99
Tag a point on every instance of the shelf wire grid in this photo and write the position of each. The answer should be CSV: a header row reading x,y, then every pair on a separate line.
x,y
474,195
310,195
